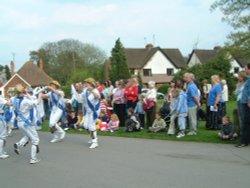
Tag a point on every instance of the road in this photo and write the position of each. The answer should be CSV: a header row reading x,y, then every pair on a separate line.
x,y
126,163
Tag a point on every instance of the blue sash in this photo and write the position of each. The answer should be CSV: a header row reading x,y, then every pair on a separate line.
x,y
55,101
92,107
16,104
8,115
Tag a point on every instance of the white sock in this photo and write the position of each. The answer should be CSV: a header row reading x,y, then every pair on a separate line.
x,y
95,137
1,146
33,151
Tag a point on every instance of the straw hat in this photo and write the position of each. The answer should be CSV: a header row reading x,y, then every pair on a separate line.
x,y
55,83
91,81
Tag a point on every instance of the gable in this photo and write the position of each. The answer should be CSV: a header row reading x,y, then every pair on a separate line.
x,y
158,63
194,60
34,75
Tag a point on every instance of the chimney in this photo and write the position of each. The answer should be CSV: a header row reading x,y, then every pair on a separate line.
x,y
217,48
12,68
149,46
41,64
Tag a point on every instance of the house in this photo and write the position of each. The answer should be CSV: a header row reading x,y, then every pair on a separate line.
x,y
29,75
154,63
200,56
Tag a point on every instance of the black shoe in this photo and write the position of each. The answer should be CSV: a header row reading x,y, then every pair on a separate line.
x,y
241,145
16,149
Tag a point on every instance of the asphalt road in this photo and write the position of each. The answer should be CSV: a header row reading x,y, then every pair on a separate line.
x,y
126,163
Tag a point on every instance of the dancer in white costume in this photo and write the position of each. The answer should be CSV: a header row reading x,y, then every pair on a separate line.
x,y
23,106
55,97
3,128
91,106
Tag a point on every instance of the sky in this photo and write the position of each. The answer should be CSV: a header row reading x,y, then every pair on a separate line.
x,y
26,24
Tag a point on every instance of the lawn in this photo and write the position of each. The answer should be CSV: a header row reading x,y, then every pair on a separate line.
x,y
203,134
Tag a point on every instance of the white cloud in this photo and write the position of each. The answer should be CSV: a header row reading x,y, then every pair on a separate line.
x,y
27,24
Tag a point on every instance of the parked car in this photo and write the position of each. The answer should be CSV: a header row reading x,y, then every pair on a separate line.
x,y
159,94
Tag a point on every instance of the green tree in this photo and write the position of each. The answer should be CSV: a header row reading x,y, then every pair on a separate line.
x,y
237,14
7,71
119,66
63,58
220,66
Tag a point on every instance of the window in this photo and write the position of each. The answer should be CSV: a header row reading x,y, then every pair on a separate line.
x,y
132,71
170,72
147,72
236,70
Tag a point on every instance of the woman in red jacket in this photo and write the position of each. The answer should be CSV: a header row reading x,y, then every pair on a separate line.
x,y
131,93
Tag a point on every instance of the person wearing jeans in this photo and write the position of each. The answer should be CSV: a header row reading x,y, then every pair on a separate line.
x,y
245,106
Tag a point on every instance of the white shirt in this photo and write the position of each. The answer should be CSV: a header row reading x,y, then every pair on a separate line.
x,y
25,106
91,98
152,94
225,93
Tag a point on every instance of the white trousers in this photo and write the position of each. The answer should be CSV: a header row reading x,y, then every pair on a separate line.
x,y
3,136
3,131
89,122
30,134
55,116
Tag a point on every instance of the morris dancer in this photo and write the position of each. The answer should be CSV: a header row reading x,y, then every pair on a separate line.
x,y
3,128
91,106
55,97
23,106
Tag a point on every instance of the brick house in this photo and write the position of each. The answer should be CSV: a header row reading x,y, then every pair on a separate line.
x,y
29,75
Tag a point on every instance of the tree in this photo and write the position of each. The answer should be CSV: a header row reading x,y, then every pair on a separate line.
x,y
237,14
7,71
119,66
220,66
63,58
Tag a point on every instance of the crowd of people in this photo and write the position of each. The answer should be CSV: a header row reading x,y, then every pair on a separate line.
x,y
97,106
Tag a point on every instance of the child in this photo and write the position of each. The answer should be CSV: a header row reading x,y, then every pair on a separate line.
x,y
105,119
71,120
173,104
158,125
133,123
114,122
227,130
181,110
140,111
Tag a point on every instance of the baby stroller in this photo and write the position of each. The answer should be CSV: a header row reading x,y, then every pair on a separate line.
x,y
165,112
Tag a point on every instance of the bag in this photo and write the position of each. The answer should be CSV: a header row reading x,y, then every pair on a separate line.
x,y
148,104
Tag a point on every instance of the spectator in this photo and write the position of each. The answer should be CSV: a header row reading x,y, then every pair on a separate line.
x,y
151,96
131,93
114,122
71,120
133,123
245,105
99,87
193,103
242,77
173,115
181,110
214,103
105,119
224,94
206,88
159,124
119,102
103,103
140,111
170,91
227,130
